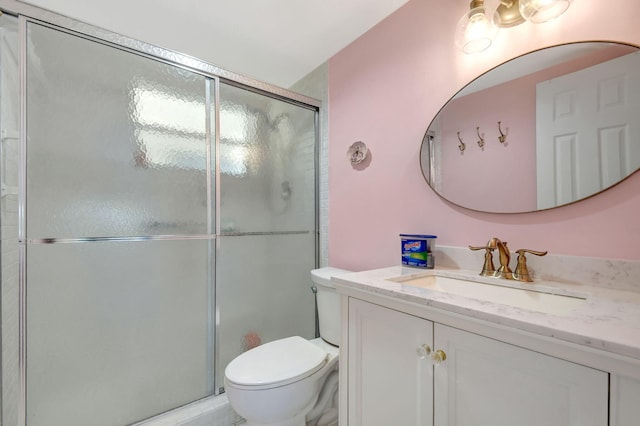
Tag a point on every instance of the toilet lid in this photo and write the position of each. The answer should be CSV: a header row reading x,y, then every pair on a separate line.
x,y
279,362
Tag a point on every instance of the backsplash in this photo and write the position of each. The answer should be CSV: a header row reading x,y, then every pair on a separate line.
x,y
599,272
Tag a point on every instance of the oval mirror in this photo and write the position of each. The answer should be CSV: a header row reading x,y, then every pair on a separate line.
x,y
542,130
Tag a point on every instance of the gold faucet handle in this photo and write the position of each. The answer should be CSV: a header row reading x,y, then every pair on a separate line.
x,y
522,272
537,253
481,248
488,270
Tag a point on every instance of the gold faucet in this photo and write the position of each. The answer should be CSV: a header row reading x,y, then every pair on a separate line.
x,y
504,271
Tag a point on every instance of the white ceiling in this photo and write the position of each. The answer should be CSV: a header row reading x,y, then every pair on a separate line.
x,y
277,41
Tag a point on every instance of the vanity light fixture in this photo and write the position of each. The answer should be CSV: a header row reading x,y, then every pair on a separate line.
x,y
539,11
508,14
477,28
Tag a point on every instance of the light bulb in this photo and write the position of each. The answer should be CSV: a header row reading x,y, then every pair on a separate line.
x,y
475,31
538,11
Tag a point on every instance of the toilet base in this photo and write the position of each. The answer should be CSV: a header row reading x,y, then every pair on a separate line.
x,y
298,421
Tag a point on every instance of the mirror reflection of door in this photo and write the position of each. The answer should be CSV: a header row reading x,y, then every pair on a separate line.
x,y
587,130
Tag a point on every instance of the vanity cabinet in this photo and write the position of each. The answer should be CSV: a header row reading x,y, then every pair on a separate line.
x,y
625,401
393,380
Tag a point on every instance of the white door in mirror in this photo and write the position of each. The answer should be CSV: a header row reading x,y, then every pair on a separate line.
x,y
587,130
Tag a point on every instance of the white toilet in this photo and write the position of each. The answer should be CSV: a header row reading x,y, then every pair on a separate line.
x,y
292,381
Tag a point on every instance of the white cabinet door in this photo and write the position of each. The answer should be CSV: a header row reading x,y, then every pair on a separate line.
x,y
625,401
389,384
486,382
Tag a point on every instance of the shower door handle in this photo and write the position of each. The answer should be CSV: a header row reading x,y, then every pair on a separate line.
x,y
4,188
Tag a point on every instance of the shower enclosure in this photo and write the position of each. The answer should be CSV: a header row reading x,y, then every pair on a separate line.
x,y
165,221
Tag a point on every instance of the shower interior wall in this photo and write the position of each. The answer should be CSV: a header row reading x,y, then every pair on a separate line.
x,y
265,250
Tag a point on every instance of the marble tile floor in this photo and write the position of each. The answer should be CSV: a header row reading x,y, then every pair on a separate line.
x,y
211,411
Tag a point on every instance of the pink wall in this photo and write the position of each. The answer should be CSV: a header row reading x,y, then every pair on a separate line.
x,y
386,87
499,177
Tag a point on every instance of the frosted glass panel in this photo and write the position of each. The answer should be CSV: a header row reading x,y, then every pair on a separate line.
x,y
116,142
263,287
9,172
267,163
117,331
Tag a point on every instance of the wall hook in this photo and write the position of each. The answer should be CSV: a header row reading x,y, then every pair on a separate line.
x,y
503,136
462,146
480,138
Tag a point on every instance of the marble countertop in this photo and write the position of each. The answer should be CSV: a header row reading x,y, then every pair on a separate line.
x,y
608,319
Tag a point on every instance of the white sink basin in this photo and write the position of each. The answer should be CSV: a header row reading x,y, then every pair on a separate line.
x,y
535,300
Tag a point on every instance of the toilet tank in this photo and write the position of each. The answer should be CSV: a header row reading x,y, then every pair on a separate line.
x,y
328,303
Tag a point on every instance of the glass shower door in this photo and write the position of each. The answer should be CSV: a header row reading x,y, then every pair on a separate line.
x,y
267,243
118,234
122,242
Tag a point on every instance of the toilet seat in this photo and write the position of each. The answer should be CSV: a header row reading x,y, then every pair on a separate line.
x,y
275,364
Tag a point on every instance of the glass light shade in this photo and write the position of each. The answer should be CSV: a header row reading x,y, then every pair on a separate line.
x,y
538,11
476,31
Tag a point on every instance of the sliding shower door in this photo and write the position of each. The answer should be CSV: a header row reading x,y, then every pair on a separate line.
x,y
267,243
119,244
168,223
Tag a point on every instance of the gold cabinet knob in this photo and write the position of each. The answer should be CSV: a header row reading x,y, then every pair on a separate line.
x,y
438,357
423,351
